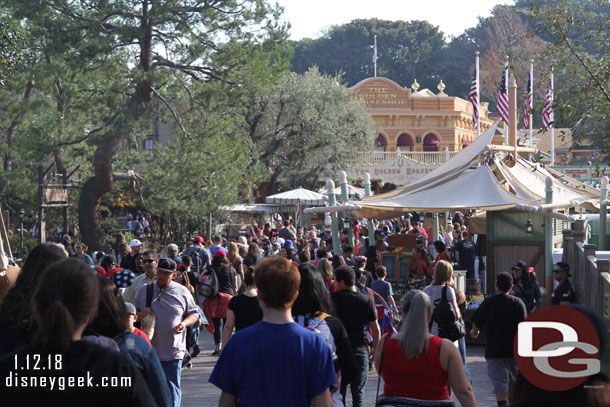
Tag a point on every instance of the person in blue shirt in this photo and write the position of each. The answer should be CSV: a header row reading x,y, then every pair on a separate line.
x,y
275,362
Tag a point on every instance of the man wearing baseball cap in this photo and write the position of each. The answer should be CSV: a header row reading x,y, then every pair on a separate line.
x,y
129,261
175,310
564,293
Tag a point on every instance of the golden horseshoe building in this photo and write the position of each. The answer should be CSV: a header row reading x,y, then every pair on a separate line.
x,y
413,120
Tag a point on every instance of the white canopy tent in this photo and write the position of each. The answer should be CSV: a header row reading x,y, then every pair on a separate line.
x,y
477,178
297,197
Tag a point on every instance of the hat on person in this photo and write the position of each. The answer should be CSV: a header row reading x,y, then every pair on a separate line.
x,y
130,308
564,266
198,239
279,240
360,260
288,245
220,253
382,234
519,265
135,243
124,278
166,264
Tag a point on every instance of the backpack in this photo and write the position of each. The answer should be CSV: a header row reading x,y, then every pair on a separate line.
x,y
196,265
208,284
318,325
444,316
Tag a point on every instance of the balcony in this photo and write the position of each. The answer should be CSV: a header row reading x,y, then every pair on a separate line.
x,y
420,157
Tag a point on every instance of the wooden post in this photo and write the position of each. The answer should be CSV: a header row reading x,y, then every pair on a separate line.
x,y
42,228
66,226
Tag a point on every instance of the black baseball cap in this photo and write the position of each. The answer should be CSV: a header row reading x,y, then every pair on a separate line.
x,y
520,265
564,266
166,264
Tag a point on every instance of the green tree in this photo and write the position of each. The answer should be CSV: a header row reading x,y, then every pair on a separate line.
x,y
580,54
308,127
138,49
11,50
406,50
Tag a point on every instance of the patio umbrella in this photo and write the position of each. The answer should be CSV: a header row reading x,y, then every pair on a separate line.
x,y
299,197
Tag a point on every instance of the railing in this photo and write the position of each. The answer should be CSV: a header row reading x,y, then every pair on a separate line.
x,y
422,157
591,277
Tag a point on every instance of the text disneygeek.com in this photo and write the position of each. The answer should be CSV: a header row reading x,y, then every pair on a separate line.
x,y
17,380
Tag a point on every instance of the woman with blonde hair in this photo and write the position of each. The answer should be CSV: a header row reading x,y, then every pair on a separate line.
x,y
417,366
237,262
443,277
326,269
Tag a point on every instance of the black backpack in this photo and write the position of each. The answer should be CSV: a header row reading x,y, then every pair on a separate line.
x,y
444,316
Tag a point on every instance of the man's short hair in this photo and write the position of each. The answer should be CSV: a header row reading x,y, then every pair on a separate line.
x,y
304,256
321,254
348,249
217,239
504,281
151,252
380,271
277,280
345,274
172,249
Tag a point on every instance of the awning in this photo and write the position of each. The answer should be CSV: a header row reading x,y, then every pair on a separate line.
x,y
472,189
299,196
258,208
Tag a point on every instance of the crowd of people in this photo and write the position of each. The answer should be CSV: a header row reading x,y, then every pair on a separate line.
x,y
138,313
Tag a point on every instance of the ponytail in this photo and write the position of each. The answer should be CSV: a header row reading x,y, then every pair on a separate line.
x,y
413,336
65,298
56,328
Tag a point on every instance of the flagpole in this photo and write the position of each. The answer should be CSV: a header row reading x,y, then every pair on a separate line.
x,y
375,56
476,67
532,101
506,81
552,123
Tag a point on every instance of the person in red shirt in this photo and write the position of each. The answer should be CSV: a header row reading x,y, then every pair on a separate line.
x,y
422,266
415,364
442,253
132,317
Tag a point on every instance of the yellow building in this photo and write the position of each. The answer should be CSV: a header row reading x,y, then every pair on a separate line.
x,y
418,120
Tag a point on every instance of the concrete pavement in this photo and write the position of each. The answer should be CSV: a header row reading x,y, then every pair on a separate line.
x,y
197,392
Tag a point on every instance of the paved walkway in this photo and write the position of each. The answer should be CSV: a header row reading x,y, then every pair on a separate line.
x,y
197,392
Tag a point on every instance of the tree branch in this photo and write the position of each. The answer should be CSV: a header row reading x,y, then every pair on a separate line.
x,y
176,118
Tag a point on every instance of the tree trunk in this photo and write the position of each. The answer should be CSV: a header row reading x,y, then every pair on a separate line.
x,y
101,183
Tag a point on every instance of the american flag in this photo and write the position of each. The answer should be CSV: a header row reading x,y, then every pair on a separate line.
x,y
503,99
474,93
527,106
547,113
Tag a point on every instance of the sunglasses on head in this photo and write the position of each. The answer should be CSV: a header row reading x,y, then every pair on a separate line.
x,y
149,260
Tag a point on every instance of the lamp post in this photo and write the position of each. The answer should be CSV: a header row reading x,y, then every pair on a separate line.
x,y
21,215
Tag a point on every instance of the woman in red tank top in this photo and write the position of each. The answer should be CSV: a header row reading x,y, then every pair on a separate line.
x,y
417,365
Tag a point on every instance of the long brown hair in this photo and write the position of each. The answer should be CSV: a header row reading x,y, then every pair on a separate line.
x,y
233,255
15,308
66,296
111,319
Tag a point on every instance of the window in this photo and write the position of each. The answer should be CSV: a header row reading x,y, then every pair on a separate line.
x,y
404,142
